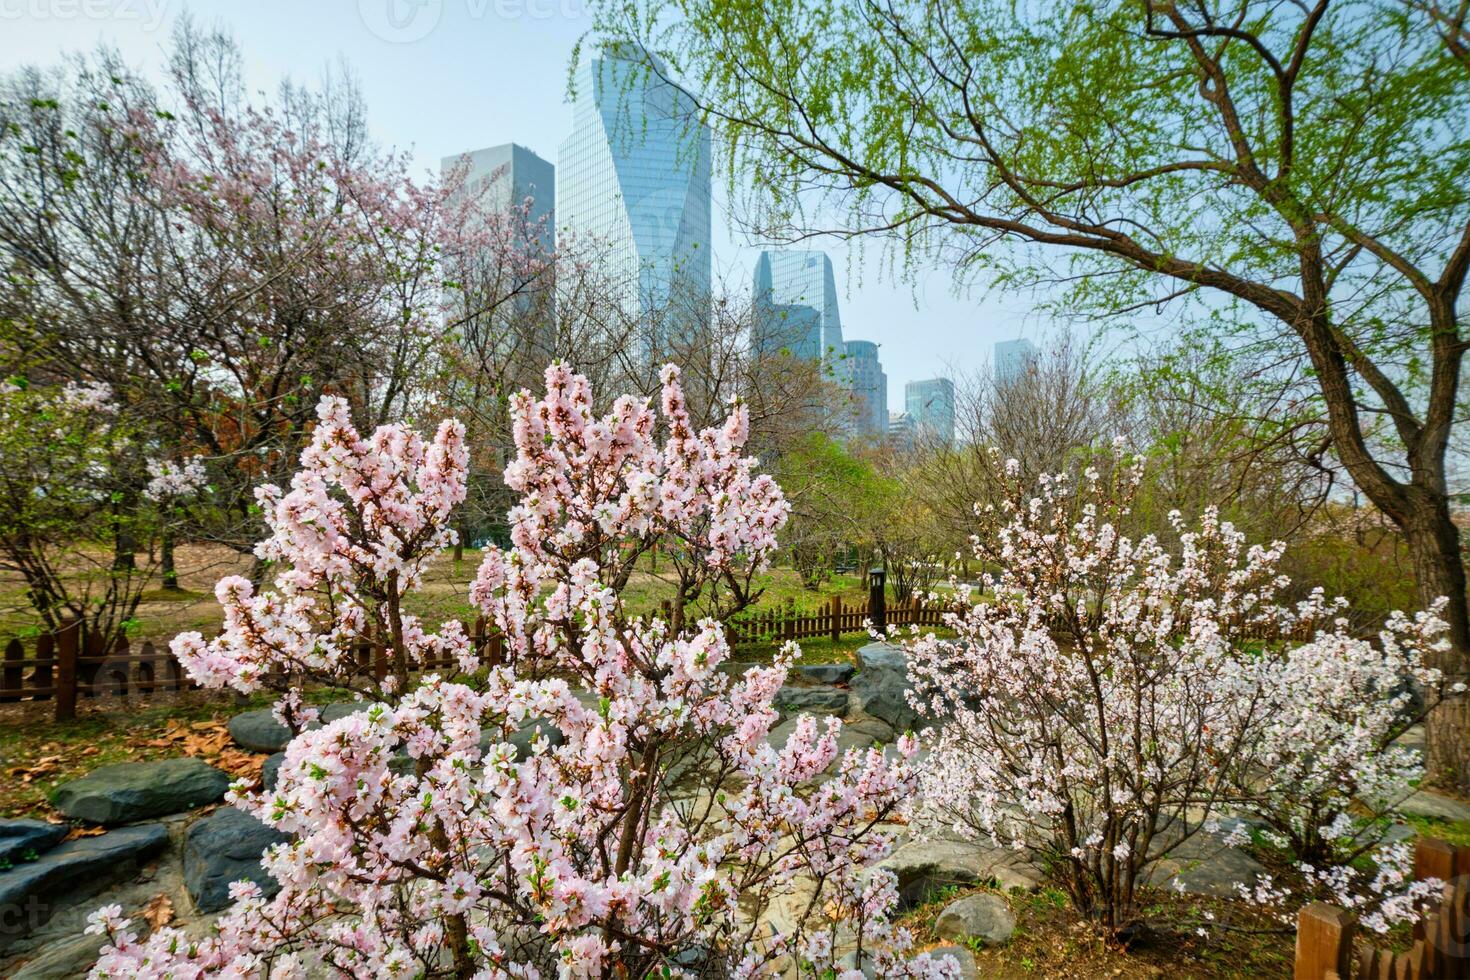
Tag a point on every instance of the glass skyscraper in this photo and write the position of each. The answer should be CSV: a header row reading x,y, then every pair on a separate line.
x,y
507,175
869,389
929,405
795,300
633,180
1013,358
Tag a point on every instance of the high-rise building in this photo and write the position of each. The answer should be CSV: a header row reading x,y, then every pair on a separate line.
x,y
1013,358
634,176
929,404
902,434
507,176
510,181
795,300
869,388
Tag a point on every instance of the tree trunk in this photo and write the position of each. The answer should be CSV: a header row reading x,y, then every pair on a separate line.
x,y
1439,570
166,562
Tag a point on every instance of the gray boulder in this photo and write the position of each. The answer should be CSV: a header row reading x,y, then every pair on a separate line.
x,y
26,840
222,848
961,956
529,732
811,701
882,684
822,673
258,730
860,734
523,737
985,917
69,873
924,867
132,791
270,770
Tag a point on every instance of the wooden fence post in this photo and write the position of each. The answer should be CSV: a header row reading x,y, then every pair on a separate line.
x,y
1324,943
836,614
877,612
68,643
13,678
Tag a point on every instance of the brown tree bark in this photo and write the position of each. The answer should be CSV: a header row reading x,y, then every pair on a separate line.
x,y
1439,570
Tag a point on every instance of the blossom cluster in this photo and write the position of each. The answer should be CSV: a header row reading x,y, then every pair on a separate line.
x,y
606,798
1112,697
175,479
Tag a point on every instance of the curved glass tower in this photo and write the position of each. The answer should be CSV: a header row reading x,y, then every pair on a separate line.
x,y
634,178
795,296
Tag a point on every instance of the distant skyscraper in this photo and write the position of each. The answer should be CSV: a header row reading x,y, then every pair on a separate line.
x,y
930,407
634,175
507,175
500,179
1013,358
795,299
869,388
901,430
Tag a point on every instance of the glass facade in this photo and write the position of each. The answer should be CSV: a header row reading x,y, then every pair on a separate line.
x,y
869,389
795,299
1013,358
634,178
510,174
929,406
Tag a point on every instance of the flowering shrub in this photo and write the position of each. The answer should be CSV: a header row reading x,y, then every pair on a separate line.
x,y
650,842
1114,697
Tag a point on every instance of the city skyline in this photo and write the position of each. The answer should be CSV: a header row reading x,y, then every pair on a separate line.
x,y
518,56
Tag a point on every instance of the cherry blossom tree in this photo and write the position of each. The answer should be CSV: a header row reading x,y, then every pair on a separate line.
x,y
649,837
1111,699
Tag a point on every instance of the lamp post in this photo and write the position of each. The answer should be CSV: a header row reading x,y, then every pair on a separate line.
x,y
876,611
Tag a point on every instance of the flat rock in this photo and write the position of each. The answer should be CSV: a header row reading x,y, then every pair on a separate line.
x,y
71,872
26,840
132,791
984,917
923,867
811,701
1426,803
822,673
67,958
223,848
860,734
1204,865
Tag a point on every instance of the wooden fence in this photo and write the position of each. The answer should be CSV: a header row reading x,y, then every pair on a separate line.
x,y
68,665
834,620
1325,934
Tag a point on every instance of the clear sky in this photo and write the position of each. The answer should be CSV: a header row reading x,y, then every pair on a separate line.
x,y
444,76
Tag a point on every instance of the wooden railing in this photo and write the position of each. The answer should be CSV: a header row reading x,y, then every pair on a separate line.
x,y
834,620
1325,934
67,666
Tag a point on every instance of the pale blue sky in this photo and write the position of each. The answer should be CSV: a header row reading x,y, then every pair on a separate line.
x,y
444,76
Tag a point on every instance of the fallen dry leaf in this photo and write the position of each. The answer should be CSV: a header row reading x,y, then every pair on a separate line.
x,y
159,911
86,832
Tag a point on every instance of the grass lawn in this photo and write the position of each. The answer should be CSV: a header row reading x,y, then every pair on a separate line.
x,y
1052,941
444,595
